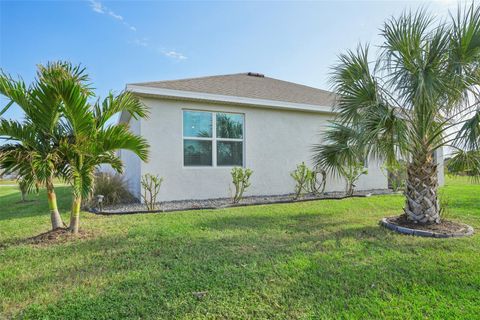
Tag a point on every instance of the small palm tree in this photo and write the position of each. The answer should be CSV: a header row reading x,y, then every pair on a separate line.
x,y
32,148
424,82
91,141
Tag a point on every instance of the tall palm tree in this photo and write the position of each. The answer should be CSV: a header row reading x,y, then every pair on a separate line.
x,y
32,148
92,140
407,102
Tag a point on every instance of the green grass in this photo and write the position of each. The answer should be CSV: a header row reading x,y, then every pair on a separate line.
x,y
312,260
14,182
8,182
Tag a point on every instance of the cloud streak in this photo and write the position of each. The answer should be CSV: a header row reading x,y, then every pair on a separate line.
x,y
100,8
174,55
96,6
114,15
144,42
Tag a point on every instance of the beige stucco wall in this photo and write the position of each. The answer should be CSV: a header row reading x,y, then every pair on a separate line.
x,y
275,142
132,163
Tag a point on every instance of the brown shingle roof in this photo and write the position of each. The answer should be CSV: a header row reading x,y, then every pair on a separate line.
x,y
248,85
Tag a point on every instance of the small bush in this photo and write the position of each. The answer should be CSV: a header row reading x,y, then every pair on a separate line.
x,y
396,175
23,186
318,184
240,179
351,174
151,188
112,187
307,180
444,203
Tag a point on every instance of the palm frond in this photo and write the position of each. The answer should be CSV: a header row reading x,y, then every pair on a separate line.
x,y
15,90
465,162
469,134
339,149
53,73
119,137
76,109
112,105
354,84
14,130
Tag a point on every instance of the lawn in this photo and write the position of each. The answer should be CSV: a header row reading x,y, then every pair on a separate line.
x,y
322,259
8,182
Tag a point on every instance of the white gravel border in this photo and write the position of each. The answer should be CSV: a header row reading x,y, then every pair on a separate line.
x,y
181,205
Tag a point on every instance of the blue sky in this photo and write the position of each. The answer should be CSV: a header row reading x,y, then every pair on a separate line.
x,y
123,42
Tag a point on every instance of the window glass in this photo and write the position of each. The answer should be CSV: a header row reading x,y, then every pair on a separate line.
x,y
197,124
229,126
197,152
229,153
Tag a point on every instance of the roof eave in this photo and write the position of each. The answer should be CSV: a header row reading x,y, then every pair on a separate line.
x,y
199,96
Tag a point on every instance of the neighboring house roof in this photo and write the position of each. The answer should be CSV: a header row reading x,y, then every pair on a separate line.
x,y
242,88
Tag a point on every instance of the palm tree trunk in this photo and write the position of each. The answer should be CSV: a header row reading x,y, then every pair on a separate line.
x,y
75,216
55,217
421,191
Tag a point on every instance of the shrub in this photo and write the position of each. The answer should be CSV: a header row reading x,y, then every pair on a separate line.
x,y
151,188
396,174
318,185
351,174
112,187
240,179
23,186
301,175
444,202
307,180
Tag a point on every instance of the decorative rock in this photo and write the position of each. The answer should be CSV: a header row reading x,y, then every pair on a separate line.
x,y
200,295
210,204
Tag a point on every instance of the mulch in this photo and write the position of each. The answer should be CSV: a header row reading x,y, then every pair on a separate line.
x,y
59,235
444,227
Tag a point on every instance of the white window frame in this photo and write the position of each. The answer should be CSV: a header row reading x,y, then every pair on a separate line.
x,y
214,139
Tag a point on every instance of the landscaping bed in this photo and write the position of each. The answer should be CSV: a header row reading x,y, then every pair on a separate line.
x,y
445,229
182,205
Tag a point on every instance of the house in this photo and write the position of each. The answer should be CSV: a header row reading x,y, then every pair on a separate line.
x,y
200,128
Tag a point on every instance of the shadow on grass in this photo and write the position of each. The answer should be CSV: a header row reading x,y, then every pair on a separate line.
x,y
271,263
37,204
307,265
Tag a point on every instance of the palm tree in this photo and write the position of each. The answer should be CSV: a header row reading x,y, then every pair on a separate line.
x,y
406,103
341,154
92,141
32,148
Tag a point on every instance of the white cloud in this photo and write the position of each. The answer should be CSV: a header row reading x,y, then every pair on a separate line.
x,y
116,16
96,6
143,42
175,55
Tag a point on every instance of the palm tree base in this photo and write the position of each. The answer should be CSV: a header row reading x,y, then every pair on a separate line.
x,y
422,205
445,229
59,235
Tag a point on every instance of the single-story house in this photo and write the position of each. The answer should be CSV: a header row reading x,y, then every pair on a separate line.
x,y
200,128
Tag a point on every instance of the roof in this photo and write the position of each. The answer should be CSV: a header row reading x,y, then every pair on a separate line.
x,y
245,85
